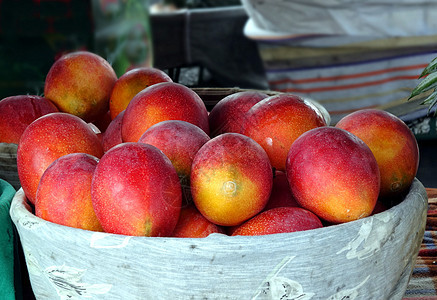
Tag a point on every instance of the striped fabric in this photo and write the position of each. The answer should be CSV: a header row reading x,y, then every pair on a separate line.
x,y
423,283
349,76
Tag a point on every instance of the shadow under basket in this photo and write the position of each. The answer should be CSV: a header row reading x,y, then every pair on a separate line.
x,y
371,258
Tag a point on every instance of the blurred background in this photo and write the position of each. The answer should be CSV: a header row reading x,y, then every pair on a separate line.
x,y
345,57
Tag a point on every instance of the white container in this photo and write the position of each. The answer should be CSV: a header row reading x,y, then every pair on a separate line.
x,y
382,18
371,258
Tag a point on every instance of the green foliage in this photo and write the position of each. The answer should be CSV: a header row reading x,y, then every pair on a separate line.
x,y
427,84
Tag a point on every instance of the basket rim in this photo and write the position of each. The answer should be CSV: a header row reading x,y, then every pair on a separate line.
x,y
21,210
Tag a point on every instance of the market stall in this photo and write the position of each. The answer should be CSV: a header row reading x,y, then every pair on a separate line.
x,y
158,198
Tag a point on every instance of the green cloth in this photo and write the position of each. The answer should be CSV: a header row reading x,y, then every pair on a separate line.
x,y
7,242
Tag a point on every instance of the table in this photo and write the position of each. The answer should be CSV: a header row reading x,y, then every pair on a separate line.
x,y
423,282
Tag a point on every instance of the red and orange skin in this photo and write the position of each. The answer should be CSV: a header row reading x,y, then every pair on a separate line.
x,y
48,138
281,195
192,224
277,121
80,83
136,191
131,83
392,143
231,179
161,102
334,174
229,113
279,220
17,112
179,140
64,192
112,135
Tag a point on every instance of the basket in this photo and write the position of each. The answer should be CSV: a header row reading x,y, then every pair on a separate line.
x,y
8,164
371,258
